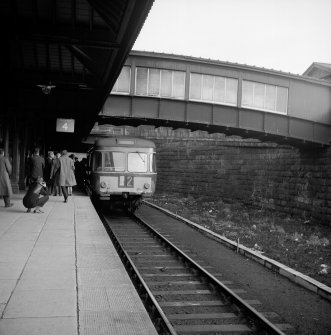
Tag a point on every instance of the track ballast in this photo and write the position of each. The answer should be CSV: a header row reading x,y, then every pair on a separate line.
x,y
181,295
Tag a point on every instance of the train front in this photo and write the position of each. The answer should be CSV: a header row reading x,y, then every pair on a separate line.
x,y
123,171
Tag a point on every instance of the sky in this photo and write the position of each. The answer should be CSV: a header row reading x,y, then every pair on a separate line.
x,y
284,35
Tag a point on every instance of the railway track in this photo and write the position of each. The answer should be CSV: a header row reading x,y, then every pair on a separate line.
x,y
181,295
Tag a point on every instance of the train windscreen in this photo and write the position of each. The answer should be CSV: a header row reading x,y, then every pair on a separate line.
x,y
114,161
137,162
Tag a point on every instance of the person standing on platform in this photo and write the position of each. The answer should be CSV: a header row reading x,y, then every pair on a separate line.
x,y
72,156
36,166
36,196
47,171
78,173
27,168
55,172
67,175
5,186
83,172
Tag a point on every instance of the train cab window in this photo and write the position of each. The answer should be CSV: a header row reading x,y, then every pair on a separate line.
x,y
152,163
114,161
97,161
137,162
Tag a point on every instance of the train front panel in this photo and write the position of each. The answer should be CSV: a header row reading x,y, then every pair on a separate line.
x,y
123,170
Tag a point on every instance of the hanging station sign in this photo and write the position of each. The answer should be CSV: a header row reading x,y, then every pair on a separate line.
x,y
65,125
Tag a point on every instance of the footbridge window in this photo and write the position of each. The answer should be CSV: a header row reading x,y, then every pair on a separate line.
x,y
122,85
160,83
214,89
265,97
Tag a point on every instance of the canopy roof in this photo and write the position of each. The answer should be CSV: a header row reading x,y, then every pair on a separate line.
x,y
72,50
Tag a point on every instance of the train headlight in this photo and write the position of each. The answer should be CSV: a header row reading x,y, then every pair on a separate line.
x,y
103,184
147,186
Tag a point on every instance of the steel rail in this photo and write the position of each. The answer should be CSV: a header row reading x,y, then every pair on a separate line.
x,y
159,319
257,318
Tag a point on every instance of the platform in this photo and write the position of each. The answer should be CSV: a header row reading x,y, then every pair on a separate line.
x,y
60,274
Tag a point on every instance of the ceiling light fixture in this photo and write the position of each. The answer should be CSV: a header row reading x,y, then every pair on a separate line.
x,y
46,89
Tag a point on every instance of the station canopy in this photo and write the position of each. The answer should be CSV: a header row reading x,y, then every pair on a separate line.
x,y
60,59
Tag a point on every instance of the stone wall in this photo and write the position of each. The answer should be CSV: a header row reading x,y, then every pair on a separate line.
x,y
282,178
269,175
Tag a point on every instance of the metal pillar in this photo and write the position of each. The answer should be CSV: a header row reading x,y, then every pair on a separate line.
x,y
23,154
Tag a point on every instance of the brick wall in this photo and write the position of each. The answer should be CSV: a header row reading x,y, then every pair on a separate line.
x,y
263,174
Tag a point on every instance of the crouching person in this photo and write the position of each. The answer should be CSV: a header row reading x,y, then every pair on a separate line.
x,y
36,196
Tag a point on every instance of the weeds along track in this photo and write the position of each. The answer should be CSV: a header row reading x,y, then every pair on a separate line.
x,y
181,296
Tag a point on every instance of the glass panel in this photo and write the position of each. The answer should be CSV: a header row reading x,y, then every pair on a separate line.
x,y
141,81
137,162
114,90
97,161
258,95
207,87
282,93
270,97
231,91
154,82
114,161
247,93
166,83
123,81
219,89
178,84
195,86
152,163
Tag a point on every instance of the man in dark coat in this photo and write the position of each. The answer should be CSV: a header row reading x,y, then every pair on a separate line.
x,y
48,170
36,166
5,186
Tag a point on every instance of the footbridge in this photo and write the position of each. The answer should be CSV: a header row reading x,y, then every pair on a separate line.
x,y
220,97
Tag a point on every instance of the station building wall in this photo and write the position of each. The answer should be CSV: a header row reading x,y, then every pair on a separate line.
x,y
283,178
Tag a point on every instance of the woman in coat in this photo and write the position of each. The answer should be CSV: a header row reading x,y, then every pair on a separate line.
x,y
5,186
